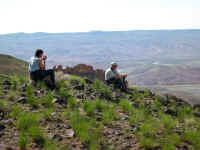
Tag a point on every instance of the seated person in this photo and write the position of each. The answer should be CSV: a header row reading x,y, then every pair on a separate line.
x,y
112,76
37,68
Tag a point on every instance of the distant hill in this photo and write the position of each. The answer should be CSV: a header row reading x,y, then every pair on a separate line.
x,y
99,48
154,57
166,75
11,65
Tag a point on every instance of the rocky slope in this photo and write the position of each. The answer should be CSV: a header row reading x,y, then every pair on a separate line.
x,y
88,115
11,65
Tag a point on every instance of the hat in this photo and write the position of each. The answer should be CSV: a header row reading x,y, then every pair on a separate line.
x,y
113,63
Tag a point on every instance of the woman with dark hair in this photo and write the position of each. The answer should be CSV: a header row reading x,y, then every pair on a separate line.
x,y
37,68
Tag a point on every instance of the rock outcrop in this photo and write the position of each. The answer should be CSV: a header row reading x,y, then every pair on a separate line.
x,y
82,70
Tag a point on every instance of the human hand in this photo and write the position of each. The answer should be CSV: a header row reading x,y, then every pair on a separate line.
x,y
124,75
45,58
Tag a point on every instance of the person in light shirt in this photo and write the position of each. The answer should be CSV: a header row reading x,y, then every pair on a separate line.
x,y
37,68
113,76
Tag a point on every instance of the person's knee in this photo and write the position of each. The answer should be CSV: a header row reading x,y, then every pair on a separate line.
x,y
51,72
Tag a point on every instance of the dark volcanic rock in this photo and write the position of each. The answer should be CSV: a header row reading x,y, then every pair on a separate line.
x,y
22,100
197,106
80,96
37,92
57,137
171,112
23,87
79,87
88,81
164,100
197,114
135,104
6,147
2,127
7,82
2,97
75,82
60,101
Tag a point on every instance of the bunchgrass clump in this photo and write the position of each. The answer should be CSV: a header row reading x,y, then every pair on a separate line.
x,y
173,139
27,120
89,108
4,107
64,93
73,78
148,129
137,116
169,146
14,82
126,106
1,91
85,129
108,115
46,100
168,122
29,90
47,114
72,103
101,88
32,101
28,125
147,142
36,134
100,105
185,112
22,80
107,92
12,96
23,141
41,85
192,136
97,85
16,111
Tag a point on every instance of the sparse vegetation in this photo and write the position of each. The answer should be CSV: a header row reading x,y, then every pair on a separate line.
x,y
32,101
89,108
97,122
16,111
46,101
86,130
23,141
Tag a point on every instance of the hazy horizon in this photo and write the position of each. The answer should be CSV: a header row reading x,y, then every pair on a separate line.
x,y
30,16
103,31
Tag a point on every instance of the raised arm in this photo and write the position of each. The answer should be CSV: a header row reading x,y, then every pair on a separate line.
x,y
42,65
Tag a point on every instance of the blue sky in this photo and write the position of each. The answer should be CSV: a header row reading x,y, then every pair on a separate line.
x,y
86,15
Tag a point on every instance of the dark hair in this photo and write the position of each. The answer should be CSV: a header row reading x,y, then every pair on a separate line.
x,y
38,52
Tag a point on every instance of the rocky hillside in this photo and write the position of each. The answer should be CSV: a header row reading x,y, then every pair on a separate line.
x,y
11,65
88,115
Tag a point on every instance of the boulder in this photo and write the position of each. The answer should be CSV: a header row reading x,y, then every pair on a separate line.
x,y
57,137
79,87
88,81
7,82
22,100
2,127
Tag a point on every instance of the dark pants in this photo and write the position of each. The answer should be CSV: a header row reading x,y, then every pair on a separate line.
x,y
118,83
40,75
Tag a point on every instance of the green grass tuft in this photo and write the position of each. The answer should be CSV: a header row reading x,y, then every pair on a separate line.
x,y
23,141
27,120
89,108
